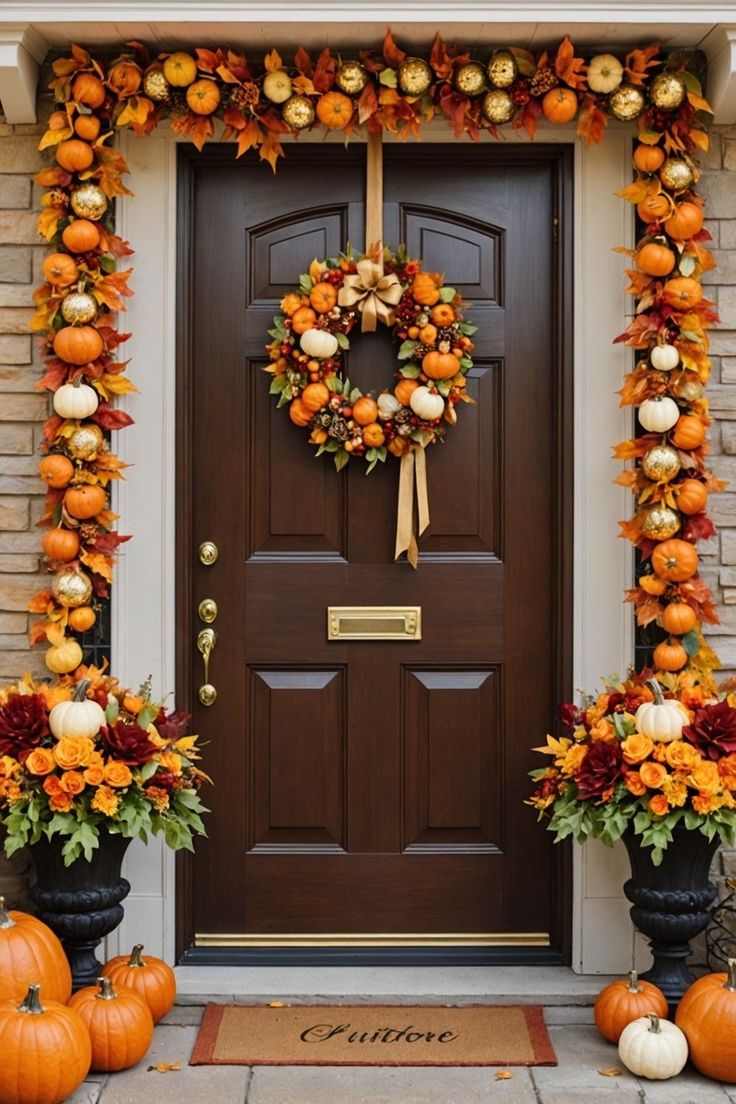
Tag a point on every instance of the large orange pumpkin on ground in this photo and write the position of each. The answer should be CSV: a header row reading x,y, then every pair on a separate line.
x,y
150,977
85,501
560,105
119,1022
675,560
626,1000
78,344
45,1048
30,953
707,1015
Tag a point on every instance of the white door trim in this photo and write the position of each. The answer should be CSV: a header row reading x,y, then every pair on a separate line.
x,y
144,599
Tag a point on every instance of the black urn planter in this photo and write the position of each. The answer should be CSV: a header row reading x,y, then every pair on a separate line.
x,y
81,902
671,903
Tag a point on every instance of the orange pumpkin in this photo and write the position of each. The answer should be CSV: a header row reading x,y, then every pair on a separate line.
x,y
81,236
203,97
46,1051
686,221
314,397
56,470
373,435
689,432
323,297
335,110
119,1022
74,155
85,501
707,1015
624,1001
87,127
78,344
669,656
291,303
428,334
30,954
89,90
60,545
397,446
150,977
683,292
124,77
365,410
679,618
675,560
82,618
424,289
560,105
59,269
443,314
652,584
654,207
299,413
691,495
58,120
303,319
648,159
403,390
655,259
440,366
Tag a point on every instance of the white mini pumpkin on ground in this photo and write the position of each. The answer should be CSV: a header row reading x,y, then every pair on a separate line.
x,y
659,415
78,717
653,1048
663,719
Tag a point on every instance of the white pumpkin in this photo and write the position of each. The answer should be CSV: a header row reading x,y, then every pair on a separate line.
x,y
653,1048
426,404
661,720
388,405
664,358
318,343
79,717
605,73
75,401
659,414
277,86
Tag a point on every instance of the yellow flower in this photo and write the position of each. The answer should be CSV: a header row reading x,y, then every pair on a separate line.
x,y
682,756
158,796
9,767
117,774
706,778
73,751
40,762
603,730
154,737
572,760
727,771
105,801
637,747
706,803
634,784
171,761
675,791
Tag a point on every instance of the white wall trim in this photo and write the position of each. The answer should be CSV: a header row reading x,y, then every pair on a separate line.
x,y
22,49
720,49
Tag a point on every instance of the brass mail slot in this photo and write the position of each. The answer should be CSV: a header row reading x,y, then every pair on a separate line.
x,y
374,623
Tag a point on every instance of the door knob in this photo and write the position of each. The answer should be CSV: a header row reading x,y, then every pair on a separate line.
x,y
206,640
208,553
207,610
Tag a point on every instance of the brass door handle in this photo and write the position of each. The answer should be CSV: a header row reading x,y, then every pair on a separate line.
x,y
206,640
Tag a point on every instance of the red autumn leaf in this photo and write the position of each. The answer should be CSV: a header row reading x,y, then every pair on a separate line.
x,y
112,337
108,542
40,602
51,427
569,68
99,586
108,417
111,243
529,117
591,121
367,103
440,59
56,373
207,60
303,62
324,71
392,54
698,527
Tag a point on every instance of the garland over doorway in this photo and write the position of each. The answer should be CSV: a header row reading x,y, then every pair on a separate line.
x,y
379,90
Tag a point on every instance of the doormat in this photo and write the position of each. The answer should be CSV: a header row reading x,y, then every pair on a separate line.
x,y
373,1035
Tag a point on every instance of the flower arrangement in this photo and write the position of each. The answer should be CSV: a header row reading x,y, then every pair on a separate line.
x,y
637,758
82,756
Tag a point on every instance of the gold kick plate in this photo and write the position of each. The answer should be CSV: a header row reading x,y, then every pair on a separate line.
x,y
374,623
375,939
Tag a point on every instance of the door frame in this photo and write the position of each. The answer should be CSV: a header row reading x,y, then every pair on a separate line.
x,y
144,602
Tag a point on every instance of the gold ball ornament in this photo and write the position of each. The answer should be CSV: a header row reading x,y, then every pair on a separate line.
x,y
89,201
85,442
78,308
660,523
667,91
277,86
498,107
676,174
156,86
626,103
470,79
351,78
71,588
660,464
298,112
414,77
502,69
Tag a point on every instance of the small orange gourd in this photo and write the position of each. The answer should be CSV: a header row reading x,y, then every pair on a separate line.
x,y
365,410
440,366
428,334
60,545
560,105
624,1001
707,1015
689,432
679,618
60,269
78,344
56,470
424,289
303,319
119,1022
323,297
203,97
30,953
315,396
685,222
675,560
335,110
299,413
655,259
89,90
652,584
85,501
443,314
87,127
403,390
654,207
45,1048
124,77
669,656
150,977
373,435
648,159
82,618
81,236
74,155
683,292
691,496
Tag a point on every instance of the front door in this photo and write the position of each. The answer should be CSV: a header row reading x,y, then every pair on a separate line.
x,y
370,793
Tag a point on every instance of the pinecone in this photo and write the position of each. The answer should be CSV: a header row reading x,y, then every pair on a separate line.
x,y
445,333
243,96
324,419
520,93
543,81
88,532
403,416
339,429
178,101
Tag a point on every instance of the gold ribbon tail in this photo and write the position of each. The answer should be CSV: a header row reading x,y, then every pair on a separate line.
x,y
412,480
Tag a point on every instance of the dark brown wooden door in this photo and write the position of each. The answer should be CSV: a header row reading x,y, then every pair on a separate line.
x,y
374,787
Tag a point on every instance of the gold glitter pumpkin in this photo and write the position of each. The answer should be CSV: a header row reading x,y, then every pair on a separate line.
x,y
89,201
667,91
502,69
71,588
626,103
85,442
156,86
414,77
676,174
351,77
660,523
470,79
498,107
298,112
78,308
661,463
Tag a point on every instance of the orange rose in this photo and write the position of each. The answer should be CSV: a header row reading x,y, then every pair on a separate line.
x,y
94,776
636,748
60,802
72,782
660,753
659,805
634,784
727,771
96,760
603,730
682,756
117,774
73,751
51,785
652,775
105,801
40,761
706,778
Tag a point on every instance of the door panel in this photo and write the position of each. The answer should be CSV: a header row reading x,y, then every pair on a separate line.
x,y
374,787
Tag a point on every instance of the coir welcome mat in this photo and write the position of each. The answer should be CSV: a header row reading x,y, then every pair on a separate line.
x,y
372,1035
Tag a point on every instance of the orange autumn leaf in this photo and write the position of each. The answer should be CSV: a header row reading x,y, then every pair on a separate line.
x,y
272,61
630,530
136,112
98,562
48,222
251,135
700,139
591,121
633,450
639,62
635,192
698,102
41,602
165,1067
110,171
569,68
392,54
271,149
107,518
108,385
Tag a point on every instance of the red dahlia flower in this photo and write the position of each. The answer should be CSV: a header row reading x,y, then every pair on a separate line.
x,y
24,724
128,743
600,770
713,731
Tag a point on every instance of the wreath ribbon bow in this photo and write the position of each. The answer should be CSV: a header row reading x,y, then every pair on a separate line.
x,y
374,294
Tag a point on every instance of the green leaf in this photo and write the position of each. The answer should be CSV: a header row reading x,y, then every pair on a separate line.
x,y
371,466
355,394
692,83
447,294
691,643
107,263
334,383
148,769
387,77
410,371
305,282
112,711
278,383
467,328
407,349
687,265
341,458
342,340
444,387
147,716
346,386
466,363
